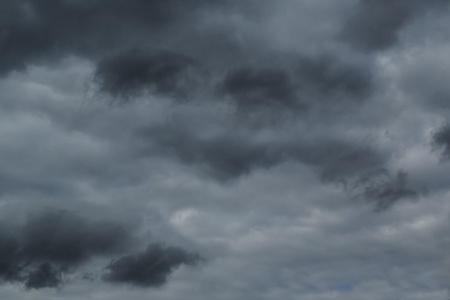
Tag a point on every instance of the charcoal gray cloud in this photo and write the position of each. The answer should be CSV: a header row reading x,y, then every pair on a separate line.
x,y
128,74
226,157
68,239
441,141
150,268
375,24
44,276
34,31
288,149
9,257
56,241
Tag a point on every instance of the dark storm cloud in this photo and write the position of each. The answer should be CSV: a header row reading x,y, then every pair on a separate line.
x,y
43,276
39,252
65,238
441,141
9,257
230,154
375,24
151,267
288,84
252,88
36,30
296,83
162,72
225,156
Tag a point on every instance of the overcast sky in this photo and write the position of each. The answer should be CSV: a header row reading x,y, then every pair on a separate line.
x,y
224,149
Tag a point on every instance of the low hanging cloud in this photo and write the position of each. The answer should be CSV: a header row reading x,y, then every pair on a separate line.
x,y
289,84
52,243
134,72
65,238
286,139
44,276
253,88
150,268
358,169
10,260
40,30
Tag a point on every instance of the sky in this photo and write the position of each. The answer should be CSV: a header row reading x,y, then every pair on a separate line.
x,y
224,149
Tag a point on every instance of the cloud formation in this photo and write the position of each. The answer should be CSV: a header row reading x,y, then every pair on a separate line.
x,y
441,141
36,31
151,267
228,155
52,243
375,25
44,276
288,141
129,74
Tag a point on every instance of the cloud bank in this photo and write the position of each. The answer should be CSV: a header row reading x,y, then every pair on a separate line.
x,y
299,146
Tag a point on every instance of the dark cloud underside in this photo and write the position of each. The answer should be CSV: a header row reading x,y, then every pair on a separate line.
x,y
375,24
35,30
289,141
151,267
45,276
441,141
56,241
65,238
129,74
228,156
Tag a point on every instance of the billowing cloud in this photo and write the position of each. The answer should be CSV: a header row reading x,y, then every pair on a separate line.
x,y
68,239
227,156
51,243
294,144
131,73
45,276
36,31
149,268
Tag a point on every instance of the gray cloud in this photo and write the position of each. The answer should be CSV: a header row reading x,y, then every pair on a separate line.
x,y
252,88
44,276
375,24
33,31
227,155
129,74
56,241
272,135
381,188
68,239
149,268
9,257
441,141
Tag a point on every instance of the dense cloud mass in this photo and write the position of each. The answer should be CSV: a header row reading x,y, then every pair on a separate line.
x,y
36,31
44,276
299,147
375,24
302,83
441,141
128,74
57,241
68,239
149,268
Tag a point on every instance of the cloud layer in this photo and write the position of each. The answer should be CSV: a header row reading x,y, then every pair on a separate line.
x,y
288,149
